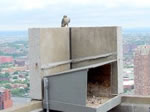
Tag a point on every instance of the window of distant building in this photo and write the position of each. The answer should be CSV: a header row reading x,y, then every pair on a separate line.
x,y
5,94
9,95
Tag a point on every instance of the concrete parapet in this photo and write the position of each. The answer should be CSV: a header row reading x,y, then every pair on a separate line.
x,y
25,108
133,104
136,99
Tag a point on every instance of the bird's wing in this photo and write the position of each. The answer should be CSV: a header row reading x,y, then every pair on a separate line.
x,y
62,22
69,20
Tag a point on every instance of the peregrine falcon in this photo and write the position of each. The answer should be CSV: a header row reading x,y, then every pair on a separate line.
x,y
65,21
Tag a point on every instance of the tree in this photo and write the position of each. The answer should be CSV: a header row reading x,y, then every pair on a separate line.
x,y
6,74
16,72
7,86
15,77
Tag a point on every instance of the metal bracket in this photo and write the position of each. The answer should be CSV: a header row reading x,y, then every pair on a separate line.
x,y
46,93
53,65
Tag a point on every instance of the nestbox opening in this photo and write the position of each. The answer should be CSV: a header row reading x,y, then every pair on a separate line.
x,y
99,85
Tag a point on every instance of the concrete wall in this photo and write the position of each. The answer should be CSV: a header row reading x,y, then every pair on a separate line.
x,y
51,45
47,45
93,41
96,41
119,59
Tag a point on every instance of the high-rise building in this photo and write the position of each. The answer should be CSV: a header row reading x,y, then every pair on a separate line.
x,y
5,99
142,70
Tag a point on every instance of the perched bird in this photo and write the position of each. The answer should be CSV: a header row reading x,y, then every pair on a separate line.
x,y
65,21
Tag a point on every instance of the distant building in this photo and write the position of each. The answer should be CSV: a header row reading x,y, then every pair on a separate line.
x,y
4,79
128,48
128,84
13,69
8,50
19,62
5,99
142,70
6,59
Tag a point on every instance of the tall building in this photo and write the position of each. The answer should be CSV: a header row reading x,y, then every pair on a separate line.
x,y
5,99
142,70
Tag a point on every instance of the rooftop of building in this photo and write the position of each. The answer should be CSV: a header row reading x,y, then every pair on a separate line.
x,y
143,49
2,89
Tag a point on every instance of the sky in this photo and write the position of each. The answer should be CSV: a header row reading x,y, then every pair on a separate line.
x,y
24,14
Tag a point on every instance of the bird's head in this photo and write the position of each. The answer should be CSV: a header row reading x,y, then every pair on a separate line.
x,y
65,16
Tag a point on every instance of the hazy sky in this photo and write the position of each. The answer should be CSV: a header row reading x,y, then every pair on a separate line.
x,y
22,14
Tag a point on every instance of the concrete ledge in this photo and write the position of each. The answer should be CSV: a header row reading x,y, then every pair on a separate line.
x,y
133,103
25,108
136,99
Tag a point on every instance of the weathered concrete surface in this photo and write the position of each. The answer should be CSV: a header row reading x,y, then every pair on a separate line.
x,y
136,99
92,41
131,108
114,78
95,41
133,104
119,60
47,45
37,110
51,45
34,105
117,67
54,47
34,57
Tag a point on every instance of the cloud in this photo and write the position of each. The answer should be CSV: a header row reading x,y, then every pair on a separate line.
x,y
21,14
38,4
